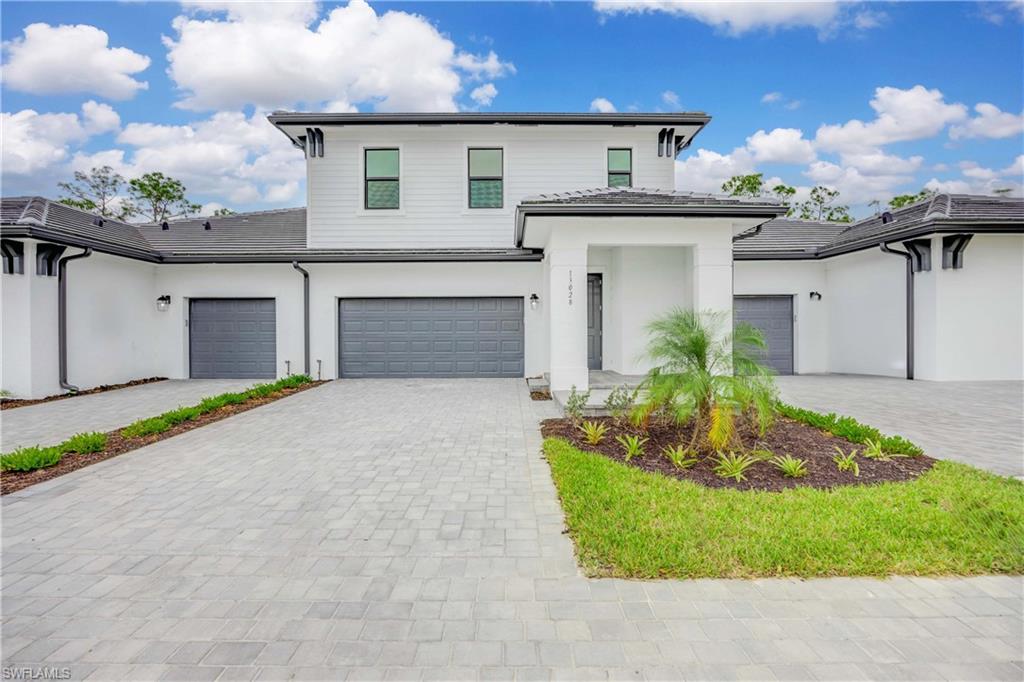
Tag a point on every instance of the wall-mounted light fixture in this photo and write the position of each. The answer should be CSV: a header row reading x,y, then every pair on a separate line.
x,y
163,304
815,296
534,301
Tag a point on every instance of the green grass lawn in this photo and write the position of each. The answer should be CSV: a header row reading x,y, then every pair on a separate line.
x,y
629,523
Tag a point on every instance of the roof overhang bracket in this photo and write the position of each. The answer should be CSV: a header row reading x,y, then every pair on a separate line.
x,y
953,247
920,251
661,141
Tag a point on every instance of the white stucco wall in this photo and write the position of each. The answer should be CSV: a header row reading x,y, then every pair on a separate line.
x,y
797,279
980,311
15,328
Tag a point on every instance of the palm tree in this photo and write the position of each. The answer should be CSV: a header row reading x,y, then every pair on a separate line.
x,y
707,374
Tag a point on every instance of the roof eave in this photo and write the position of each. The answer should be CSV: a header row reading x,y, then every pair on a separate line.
x,y
98,245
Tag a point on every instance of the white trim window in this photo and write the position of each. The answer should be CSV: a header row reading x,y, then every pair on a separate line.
x,y
620,167
486,166
381,188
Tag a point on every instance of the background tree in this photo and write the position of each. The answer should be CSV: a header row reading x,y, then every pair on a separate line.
x,y
98,191
820,207
744,185
223,211
901,200
1002,191
160,197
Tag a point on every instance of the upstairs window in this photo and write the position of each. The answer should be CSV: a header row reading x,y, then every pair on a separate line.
x,y
381,171
486,186
620,167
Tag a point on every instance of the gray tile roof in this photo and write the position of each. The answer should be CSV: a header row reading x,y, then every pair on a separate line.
x,y
641,196
277,235
786,238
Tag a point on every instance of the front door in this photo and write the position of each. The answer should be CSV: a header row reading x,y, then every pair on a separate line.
x,y
594,360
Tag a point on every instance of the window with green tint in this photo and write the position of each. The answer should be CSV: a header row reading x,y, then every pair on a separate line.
x,y
381,171
620,167
486,184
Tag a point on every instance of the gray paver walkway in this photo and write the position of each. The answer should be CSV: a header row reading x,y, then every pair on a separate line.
x,y
409,530
977,422
51,423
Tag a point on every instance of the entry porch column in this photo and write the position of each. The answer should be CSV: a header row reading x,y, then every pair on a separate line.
x,y
567,308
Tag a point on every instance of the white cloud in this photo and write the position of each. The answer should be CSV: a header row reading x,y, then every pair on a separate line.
x,y
1016,168
99,118
970,169
990,122
777,98
855,186
877,162
602,105
270,55
706,170
737,18
771,97
671,99
781,145
901,115
484,94
52,60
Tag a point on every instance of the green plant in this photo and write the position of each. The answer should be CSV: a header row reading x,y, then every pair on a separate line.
x,y
846,461
632,445
734,466
85,442
182,414
707,374
593,432
619,402
873,449
680,456
145,427
575,404
762,455
850,429
790,466
30,458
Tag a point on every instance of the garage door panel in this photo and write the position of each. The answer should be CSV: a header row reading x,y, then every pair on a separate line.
x,y
773,315
431,337
232,339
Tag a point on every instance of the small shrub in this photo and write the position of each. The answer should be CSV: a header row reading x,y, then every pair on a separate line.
x,y
850,429
233,398
619,402
790,466
873,450
145,427
731,465
901,446
182,414
30,458
210,404
632,445
680,456
575,404
846,461
85,442
294,381
593,432
262,390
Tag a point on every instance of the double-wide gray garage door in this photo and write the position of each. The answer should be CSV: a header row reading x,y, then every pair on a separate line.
x,y
773,315
232,338
431,337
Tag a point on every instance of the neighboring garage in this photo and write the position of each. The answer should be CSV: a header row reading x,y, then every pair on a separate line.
x,y
232,338
431,337
773,315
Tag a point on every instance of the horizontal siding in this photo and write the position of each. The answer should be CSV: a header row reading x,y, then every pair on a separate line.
x,y
434,210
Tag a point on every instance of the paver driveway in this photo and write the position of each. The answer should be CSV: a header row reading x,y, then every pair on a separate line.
x,y
52,422
980,423
407,530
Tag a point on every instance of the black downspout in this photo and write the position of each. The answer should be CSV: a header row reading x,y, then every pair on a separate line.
x,y
62,319
910,305
305,312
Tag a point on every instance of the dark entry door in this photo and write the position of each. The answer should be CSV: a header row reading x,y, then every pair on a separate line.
x,y
773,315
594,329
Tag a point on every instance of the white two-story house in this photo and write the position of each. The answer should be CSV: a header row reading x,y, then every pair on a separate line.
x,y
476,245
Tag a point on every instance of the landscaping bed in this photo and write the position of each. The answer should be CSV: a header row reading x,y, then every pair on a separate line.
x,y
786,436
11,403
631,523
145,432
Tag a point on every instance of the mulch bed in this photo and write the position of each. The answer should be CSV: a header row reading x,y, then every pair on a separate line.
x,y
543,394
11,403
784,437
12,481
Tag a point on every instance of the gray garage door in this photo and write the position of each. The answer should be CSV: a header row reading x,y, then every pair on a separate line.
x,y
232,338
431,337
773,315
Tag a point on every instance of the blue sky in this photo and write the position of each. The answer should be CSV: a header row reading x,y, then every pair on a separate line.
x,y
912,74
